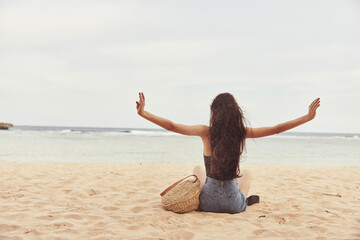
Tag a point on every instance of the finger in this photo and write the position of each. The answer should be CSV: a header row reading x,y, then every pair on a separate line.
x,y
311,107
317,102
315,106
314,103
143,96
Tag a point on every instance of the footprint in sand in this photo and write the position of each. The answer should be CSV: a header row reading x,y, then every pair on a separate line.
x,y
134,227
73,216
48,217
34,231
231,219
186,235
100,225
125,222
63,224
316,228
17,196
258,232
114,188
92,217
110,208
8,228
152,190
93,192
66,191
356,235
295,206
137,209
142,200
280,219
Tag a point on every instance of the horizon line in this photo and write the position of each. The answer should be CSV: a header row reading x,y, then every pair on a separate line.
x,y
158,128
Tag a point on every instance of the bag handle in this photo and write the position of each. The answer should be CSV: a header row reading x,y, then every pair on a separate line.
x,y
169,188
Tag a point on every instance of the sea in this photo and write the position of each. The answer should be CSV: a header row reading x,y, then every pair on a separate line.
x,y
126,145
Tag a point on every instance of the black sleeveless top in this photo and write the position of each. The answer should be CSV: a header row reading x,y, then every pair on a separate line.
x,y
207,160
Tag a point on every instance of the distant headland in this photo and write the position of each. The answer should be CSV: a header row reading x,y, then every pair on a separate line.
x,y
5,126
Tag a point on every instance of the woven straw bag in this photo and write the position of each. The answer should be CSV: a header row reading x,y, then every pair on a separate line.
x,y
182,196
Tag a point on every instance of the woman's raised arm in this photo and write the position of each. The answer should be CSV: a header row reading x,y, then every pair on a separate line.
x,y
194,130
282,127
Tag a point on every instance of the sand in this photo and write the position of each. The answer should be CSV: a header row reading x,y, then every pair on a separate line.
x,y
122,201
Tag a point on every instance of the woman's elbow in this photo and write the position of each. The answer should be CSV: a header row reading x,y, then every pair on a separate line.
x,y
277,129
170,126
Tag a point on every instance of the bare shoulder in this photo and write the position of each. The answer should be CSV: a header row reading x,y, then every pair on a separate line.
x,y
204,130
191,130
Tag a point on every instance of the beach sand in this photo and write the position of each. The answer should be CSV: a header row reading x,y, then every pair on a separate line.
x,y
122,201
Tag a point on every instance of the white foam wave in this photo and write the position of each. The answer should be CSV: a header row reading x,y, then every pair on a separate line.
x,y
314,137
137,133
151,133
70,131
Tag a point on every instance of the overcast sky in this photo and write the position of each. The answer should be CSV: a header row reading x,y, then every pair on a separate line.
x,y
82,63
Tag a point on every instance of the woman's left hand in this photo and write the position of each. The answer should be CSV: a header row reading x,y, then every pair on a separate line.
x,y
312,108
140,105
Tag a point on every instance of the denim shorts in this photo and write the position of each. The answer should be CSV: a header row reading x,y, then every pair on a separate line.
x,y
222,196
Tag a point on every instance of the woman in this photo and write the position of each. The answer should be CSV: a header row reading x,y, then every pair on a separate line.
x,y
223,188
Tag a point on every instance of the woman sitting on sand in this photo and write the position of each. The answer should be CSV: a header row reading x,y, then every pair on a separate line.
x,y
223,188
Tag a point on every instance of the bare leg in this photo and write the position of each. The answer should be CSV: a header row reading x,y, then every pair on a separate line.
x,y
244,182
199,171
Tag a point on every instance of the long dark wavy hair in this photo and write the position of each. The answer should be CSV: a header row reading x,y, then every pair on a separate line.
x,y
227,136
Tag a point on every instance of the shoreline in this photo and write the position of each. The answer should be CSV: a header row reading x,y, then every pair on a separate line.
x,y
242,164
49,200
71,127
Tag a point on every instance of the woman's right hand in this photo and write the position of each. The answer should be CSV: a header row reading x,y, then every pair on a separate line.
x,y
312,109
140,105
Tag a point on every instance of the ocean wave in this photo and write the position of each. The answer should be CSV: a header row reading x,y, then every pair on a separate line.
x,y
132,133
315,137
152,133
70,131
